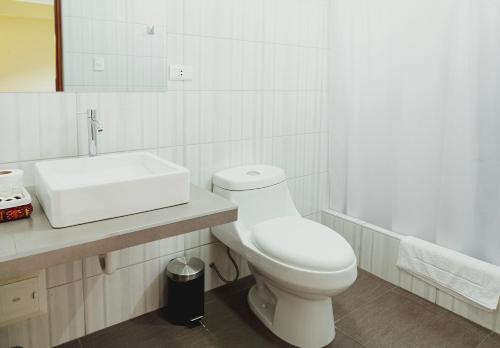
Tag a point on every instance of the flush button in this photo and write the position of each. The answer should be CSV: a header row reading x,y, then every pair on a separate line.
x,y
253,173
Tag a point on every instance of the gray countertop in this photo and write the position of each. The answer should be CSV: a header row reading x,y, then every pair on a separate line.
x,y
32,244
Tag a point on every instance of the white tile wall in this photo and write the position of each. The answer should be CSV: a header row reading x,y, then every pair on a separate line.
x,y
127,293
258,97
233,44
37,126
117,32
377,250
138,288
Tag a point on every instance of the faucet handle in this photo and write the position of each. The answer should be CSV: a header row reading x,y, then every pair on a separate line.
x,y
94,128
92,116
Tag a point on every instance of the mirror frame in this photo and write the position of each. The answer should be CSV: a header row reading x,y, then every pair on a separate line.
x,y
59,46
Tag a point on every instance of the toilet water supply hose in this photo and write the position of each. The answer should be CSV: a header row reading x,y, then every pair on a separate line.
x,y
214,267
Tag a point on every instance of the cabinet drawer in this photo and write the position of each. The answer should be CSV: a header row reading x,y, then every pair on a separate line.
x,y
19,299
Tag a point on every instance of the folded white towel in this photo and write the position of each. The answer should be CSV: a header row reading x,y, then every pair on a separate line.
x,y
451,271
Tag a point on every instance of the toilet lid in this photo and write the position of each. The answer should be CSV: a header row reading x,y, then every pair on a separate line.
x,y
303,243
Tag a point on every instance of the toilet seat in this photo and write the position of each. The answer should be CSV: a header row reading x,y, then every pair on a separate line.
x,y
304,244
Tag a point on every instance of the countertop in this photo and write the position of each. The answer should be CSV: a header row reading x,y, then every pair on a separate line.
x,y
32,244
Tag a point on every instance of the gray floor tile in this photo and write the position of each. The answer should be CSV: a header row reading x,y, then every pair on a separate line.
x,y
382,322
372,313
366,289
399,320
418,300
343,341
492,341
73,344
446,330
151,328
233,323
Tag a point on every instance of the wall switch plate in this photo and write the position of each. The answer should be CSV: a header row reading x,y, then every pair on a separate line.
x,y
98,63
181,73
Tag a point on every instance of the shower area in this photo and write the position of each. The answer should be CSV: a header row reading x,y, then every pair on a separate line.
x,y
414,109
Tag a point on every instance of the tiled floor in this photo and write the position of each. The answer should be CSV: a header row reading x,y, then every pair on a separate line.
x,y
372,313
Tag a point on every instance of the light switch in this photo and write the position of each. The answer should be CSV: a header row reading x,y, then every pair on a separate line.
x,y
98,63
181,73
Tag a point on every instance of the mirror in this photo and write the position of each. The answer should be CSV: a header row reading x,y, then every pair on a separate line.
x,y
82,45
28,62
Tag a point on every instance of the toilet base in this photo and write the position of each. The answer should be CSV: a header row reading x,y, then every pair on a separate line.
x,y
302,322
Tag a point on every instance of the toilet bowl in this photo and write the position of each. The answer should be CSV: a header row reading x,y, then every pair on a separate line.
x,y
298,264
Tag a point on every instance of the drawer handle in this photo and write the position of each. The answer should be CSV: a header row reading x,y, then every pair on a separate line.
x,y
16,299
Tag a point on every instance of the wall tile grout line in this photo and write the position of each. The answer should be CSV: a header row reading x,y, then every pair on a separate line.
x,y
246,68
165,147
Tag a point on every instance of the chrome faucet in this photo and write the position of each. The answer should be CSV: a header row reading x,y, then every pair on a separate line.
x,y
94,129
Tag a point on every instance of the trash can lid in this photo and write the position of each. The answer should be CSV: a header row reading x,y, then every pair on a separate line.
x,y
182,270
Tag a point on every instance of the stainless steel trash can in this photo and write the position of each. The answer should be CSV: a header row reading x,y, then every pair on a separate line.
x,y
185,291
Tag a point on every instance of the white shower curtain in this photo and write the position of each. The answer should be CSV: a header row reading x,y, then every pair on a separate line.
x,y
415,107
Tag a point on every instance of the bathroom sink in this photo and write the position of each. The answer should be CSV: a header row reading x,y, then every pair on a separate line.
x,y
79,190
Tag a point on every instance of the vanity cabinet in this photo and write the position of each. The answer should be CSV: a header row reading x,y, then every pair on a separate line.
x,y
22,298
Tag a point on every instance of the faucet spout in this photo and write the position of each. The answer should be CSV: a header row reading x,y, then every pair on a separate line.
x,y
94,129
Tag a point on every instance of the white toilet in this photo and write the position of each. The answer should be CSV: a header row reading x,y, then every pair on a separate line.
x,y
298,264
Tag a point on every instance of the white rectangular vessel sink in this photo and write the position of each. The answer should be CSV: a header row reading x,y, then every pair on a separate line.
x,y
79,190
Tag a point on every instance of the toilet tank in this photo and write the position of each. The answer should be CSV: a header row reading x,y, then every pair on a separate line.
x,y
260,191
